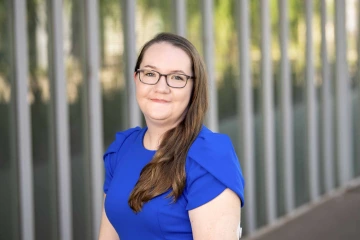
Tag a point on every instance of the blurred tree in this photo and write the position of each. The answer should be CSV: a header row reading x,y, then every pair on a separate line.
x,y
227,92
4,23
163,9
109,9
225,33
77,29
32,23
39,116
296,16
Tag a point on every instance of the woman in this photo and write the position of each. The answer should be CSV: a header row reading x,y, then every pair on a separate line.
x,y
173,179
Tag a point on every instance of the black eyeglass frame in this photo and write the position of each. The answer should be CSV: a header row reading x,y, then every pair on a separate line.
x,y
165,75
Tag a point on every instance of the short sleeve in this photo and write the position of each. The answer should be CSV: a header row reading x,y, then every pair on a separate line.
x,y
111,155
109,168
201,186
212,166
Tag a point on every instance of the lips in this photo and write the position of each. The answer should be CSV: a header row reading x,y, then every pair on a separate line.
x,y
159,100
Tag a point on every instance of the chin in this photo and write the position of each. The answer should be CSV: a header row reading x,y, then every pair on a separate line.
x,y
159,118
158,114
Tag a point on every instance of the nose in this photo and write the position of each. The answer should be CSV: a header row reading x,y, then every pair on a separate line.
x,y
161,85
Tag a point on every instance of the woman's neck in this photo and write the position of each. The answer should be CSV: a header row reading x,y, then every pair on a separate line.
x,y
152,138
154,134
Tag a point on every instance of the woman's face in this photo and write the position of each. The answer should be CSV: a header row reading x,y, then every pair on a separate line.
x,y
161,103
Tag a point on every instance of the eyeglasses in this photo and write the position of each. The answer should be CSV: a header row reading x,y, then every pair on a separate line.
x,y
174,80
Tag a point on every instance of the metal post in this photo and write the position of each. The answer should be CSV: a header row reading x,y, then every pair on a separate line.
x,y
287,145
342,93
245,112
132,110
208,45
87,231
15,231
94,111
268,112
311,104
59,115
358,92
357,148
23,122
180,17
327,114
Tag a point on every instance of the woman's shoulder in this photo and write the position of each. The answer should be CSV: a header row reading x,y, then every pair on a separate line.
x,y
120,138
212,150
214,154
211,143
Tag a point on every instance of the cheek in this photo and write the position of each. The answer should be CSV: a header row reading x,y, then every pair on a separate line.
x,y
188,98
141,90
189,94
185,99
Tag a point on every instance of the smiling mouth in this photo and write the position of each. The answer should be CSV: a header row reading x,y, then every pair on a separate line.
x,y
159,100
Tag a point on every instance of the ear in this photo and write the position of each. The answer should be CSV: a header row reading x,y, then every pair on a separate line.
x,y
135,77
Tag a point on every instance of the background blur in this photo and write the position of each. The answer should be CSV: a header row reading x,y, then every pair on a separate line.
x,y
284,78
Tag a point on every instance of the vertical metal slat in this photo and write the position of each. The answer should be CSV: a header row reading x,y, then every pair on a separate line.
x,y
59,112
180,17
342,96
286,108
13,161
87,230
268,113
327,115
208,45
358,88
23,122
132,111
311,104
245,112
94,111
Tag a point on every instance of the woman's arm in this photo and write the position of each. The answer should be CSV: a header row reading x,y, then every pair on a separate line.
x,y
107,231
217,219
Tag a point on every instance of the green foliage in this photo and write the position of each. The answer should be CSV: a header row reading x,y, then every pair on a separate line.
x,y
227,92
162,8
3,14
225,49
194,22
32,23
6,38
110,9
225,32
296,16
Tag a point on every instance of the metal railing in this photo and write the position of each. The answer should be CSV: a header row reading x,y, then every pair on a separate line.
x,y
342,142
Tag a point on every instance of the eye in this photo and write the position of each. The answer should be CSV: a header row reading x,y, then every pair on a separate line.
x,y
178,77
149,74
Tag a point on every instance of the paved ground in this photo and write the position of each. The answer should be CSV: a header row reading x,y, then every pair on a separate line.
x,y
338,218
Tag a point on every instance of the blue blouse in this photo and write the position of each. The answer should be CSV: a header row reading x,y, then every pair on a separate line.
x,y
211,167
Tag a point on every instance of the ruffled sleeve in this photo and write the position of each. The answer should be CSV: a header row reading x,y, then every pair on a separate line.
x,y
110,155
211,167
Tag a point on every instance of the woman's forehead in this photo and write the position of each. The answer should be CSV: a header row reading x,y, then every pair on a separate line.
x,y
167,57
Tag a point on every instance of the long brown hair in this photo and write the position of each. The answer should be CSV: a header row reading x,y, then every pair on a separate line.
x,y
167,168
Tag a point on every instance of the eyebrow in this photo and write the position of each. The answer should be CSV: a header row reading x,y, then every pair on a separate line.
x,y
173,71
